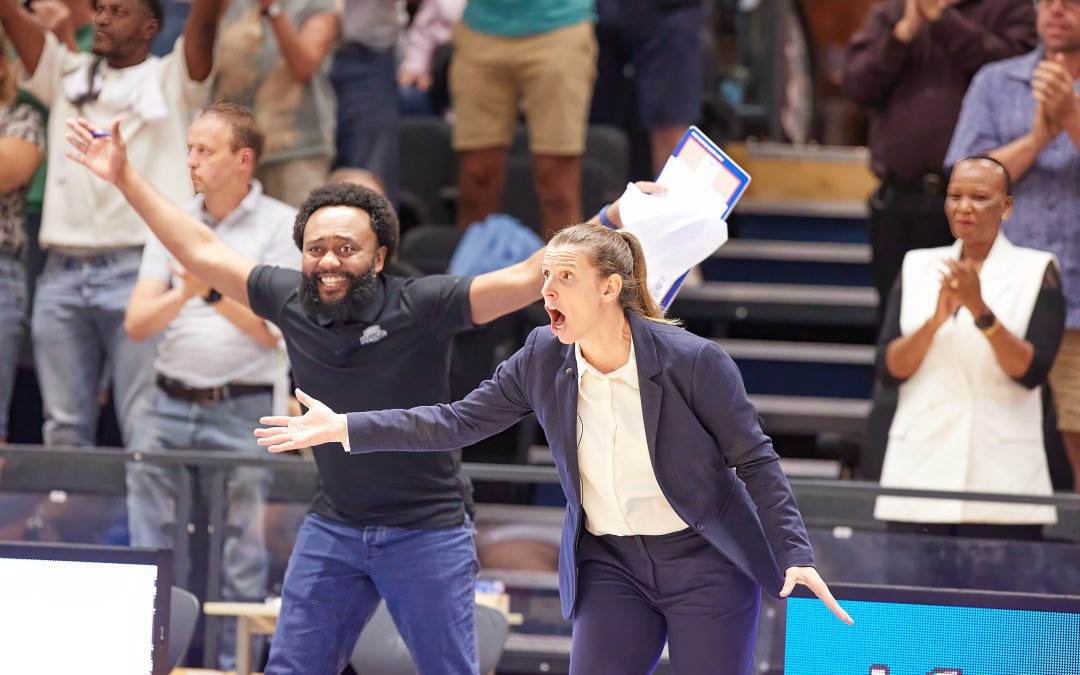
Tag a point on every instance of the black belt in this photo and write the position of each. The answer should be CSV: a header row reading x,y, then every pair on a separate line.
x,y
928,183
182,392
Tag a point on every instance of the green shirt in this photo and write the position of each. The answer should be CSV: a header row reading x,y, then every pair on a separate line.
x,y
84,36
521,18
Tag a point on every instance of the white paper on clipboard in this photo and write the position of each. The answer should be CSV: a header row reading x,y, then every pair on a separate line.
x,y
682,227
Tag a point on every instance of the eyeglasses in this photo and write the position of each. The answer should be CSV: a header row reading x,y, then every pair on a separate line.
x,y
1065,4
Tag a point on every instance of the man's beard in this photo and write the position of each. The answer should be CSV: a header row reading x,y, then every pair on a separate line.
x,y
360,292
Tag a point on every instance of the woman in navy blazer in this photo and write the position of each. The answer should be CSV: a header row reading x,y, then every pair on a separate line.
x,y
698,586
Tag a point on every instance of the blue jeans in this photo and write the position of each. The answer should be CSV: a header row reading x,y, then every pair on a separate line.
x,y
365,81
336,576
12,326
414,102
153,513
78,329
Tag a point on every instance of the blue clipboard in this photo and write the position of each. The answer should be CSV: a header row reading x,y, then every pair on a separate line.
x,y
730,179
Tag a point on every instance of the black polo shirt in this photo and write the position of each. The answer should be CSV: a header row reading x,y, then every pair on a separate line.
x,y
397,356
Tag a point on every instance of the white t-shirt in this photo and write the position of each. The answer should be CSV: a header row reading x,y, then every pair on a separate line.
x,y
155,102
201,348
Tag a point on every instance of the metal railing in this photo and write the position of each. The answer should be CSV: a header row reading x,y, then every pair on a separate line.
x,y
99,471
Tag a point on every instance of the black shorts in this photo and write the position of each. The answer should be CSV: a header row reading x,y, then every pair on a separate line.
x,y
661,41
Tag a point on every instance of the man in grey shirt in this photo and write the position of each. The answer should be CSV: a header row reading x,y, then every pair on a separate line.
x,y
218,363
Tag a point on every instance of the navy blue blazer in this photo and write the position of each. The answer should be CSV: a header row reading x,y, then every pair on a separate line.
x,y
712,461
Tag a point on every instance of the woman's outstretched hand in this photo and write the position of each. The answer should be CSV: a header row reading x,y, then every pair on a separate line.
x,y
809,577
318,425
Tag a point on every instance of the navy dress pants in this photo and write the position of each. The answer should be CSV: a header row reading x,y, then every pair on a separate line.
x,y
636,592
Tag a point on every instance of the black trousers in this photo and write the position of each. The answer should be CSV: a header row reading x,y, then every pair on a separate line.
x,y
635,592
904,217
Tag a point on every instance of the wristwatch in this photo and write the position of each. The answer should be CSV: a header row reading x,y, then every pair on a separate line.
x,y
211,297
272,10
988,324
985,321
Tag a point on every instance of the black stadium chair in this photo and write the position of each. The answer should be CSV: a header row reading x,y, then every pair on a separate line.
x,y
427,166
183,615
429,248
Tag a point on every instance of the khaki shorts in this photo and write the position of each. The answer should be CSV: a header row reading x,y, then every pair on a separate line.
x,y
552,74
1065,381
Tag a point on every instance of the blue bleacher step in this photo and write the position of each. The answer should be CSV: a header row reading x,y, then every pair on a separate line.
x,y
790,262
803,369
795,251
802,221
770,302
827,210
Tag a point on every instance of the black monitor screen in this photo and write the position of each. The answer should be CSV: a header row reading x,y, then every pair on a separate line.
x,y
85,609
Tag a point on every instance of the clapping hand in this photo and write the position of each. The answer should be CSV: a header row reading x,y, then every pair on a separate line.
x,y
911,22
408,78
809,577
1044,127
190,284
1055,90
947,303
963,279
318,425
932,9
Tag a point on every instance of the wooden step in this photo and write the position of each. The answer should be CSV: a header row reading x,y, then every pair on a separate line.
x,y
826,175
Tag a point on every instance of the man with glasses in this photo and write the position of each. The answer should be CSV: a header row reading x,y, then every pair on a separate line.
x,y
911,62
92,238
1025,112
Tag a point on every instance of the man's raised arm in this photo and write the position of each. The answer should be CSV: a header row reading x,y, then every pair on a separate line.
x,y
27,36
193,244
200,34
507,290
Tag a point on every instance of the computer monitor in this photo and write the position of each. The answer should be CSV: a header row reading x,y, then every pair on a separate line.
x,y
84,609
926,631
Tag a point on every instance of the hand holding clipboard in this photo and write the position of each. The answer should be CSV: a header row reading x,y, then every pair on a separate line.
x,y
685,225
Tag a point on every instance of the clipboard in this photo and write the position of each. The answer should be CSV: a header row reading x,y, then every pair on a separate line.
x,y
726,177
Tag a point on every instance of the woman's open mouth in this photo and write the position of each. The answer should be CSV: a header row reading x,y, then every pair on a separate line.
x,y
558,319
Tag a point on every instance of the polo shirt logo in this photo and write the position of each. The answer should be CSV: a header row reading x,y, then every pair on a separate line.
x,y
372,334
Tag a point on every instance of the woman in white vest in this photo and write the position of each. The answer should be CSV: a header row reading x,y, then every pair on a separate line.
x,y
971,332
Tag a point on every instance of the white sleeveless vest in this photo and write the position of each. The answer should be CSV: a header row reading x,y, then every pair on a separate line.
x,y
961,423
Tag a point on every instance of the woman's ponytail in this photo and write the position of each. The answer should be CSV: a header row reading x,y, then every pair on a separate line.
x,y
616,252
635,294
